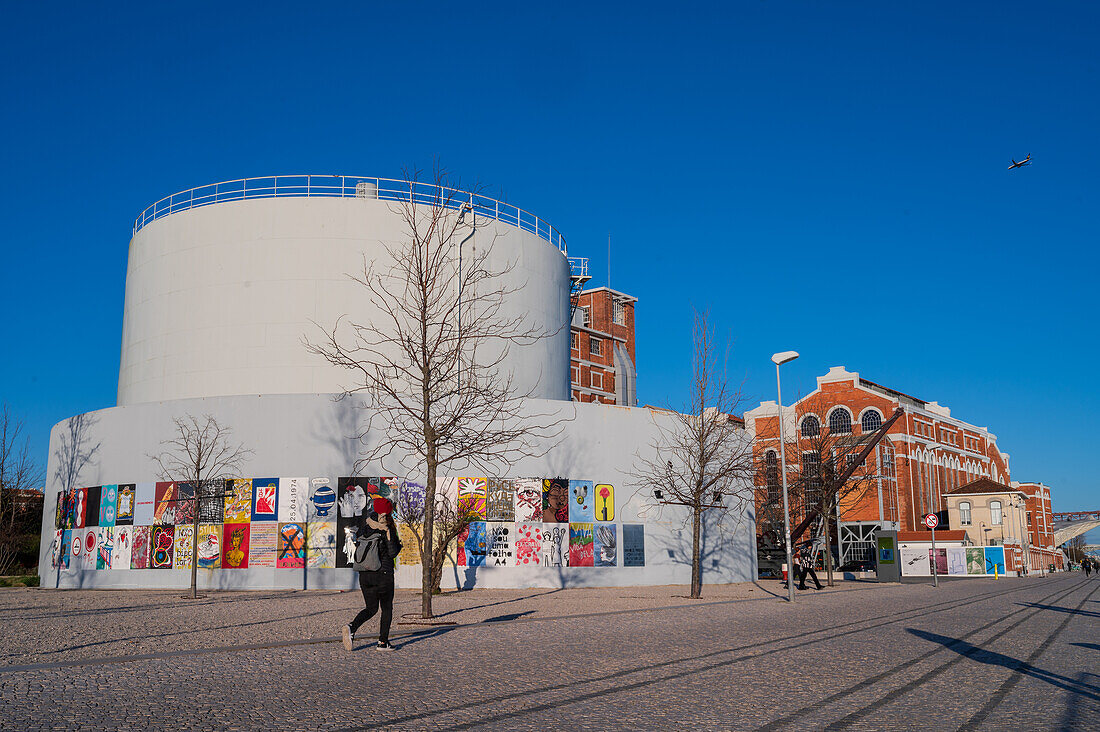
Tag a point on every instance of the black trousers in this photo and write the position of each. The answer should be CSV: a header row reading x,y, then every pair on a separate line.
x,y
377,590
807,569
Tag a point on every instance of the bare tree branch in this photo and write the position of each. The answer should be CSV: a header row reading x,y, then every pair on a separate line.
x,y
432,363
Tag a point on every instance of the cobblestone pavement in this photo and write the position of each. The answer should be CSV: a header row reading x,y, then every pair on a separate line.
x,y
1019,654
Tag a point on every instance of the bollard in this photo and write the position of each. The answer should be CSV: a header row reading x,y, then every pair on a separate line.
x,y
996,572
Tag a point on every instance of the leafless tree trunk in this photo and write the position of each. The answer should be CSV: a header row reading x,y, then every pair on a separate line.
x,y
432,362
703,461
450,519
199,453
18,472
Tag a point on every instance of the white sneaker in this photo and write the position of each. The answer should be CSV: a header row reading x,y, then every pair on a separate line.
x,y
347,637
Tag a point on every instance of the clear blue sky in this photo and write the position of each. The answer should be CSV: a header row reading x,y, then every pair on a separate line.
x,y
824,177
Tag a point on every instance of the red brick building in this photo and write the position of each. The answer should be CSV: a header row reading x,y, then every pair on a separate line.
x,y
602,356
926,454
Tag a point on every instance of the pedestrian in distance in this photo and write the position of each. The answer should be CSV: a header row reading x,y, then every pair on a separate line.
x,y
376,546
805,564
1088,566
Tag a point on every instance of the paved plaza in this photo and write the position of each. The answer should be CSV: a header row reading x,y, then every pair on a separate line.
x,y
1019,654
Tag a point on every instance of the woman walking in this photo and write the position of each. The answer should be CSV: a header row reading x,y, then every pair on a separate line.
x,y
377,585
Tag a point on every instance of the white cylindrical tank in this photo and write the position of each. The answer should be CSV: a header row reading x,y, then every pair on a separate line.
x,y
220,298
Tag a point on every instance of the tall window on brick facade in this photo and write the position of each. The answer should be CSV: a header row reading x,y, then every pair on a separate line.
x,y
811,427
597,379
964,513
618,313
1029,519
771,475
996,517
811,474
872,420
585,319
840,422
576,342
595,346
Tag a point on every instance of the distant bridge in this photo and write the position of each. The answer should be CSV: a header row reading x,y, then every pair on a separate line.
x,y
1074,523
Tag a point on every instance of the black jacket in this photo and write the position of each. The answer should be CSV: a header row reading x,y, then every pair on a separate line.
x,y
389,549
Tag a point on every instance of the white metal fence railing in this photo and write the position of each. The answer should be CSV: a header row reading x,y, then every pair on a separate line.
x,y
347,186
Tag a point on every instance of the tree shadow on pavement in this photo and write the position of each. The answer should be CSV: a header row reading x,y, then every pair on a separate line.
x,y
992,658
1057,609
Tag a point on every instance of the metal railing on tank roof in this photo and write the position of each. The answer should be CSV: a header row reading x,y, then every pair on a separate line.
x,y
347,186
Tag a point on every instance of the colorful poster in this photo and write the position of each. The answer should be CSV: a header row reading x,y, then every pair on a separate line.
x,y
473,545
975,560
291,553
184,545
555,501
80,507
446,493
210,553
238,501
124,547
528,544
93,499
605,502
124,513
555,545
580,545
66,549
89,558
140,556
235,545
471,495
293,494
185,503
321,505
76,548
606,546
164,512
582,502
389,487
995,560
410,548
633,545
500,544
352,499
108,505
106,547
528,500
409,504
956,560
163,541
265,499
322,544
144,504
500,500
941,559
263,544
68,511
59,511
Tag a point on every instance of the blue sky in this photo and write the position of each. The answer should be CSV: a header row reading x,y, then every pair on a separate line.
x,y
824,177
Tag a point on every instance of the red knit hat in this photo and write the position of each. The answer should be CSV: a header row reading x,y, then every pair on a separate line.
x,y
382,505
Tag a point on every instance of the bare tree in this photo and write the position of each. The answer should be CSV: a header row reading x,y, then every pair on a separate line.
x,y
703,460
201,454
451,517
1075,549
432,362
75,450
19,474
821,453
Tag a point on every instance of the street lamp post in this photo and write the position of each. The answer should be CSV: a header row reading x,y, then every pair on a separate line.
x,y
778,359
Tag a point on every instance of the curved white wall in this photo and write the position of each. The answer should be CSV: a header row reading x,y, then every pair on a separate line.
x,y
219,298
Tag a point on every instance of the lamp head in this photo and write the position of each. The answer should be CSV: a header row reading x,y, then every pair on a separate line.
x,y
782,358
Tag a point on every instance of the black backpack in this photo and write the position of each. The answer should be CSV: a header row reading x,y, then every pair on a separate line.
x,y
368,553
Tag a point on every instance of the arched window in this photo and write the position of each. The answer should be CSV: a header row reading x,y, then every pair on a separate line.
x,y
840,422
964,513
995,516
872,420
811,427
771,475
